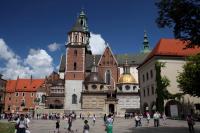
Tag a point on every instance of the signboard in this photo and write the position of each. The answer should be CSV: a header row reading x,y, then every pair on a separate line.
x,y
174,110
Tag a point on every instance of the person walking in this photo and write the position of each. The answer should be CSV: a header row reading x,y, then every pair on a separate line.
x,y
148,118
86,127
164,118
70,123
21,124
137,119
58,125
109,124
156,118
191,123
94,119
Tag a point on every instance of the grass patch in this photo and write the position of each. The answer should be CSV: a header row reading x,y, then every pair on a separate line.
x,y
7,127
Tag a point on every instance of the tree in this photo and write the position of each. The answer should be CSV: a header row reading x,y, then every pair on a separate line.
x,y
183,16
161,82
189,79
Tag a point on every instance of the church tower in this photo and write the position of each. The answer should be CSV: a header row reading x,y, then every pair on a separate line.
x,y
76,50
146,48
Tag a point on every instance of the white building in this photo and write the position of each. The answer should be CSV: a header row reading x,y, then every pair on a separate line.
x,y
173,54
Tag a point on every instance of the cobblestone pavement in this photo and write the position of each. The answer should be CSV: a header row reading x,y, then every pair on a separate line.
x,y
120,126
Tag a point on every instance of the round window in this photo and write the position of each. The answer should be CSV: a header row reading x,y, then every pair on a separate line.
x,y
127,87
94,86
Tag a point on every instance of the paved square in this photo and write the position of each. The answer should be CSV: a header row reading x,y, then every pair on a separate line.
x,y
120,126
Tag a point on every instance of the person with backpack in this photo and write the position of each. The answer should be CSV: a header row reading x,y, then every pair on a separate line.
x,y
21,124
109,124
191,123
86,127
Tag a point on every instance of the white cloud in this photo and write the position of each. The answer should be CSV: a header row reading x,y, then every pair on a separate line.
x,y
97,43
37,63
5,52
53,47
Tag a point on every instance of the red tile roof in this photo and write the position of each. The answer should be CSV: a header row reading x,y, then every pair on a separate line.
x,y
172,47
25,85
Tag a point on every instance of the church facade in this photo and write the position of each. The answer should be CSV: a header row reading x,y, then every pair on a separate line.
x,y
98,84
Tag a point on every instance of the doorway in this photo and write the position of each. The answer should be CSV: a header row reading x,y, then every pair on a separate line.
x,y
111,108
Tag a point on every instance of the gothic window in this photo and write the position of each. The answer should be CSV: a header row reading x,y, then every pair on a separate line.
x,y
16,94
76,38
74,99
75,52
107,77
74,65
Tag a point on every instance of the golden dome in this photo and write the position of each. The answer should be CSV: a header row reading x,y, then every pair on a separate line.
x,y
127,78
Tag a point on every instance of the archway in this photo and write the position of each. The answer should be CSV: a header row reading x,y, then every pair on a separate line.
x,y
111,108
173,108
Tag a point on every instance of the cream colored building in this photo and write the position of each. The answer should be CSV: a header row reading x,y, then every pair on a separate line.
x,y
171,52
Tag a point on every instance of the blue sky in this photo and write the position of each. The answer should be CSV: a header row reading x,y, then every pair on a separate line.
x,y
34,24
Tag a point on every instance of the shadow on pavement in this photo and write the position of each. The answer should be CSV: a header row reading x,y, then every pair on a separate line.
x,y
160,130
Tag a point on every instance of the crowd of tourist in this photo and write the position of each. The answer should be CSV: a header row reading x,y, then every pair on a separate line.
x,y
23,120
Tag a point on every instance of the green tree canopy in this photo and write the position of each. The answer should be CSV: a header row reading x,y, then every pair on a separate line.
x,y
189,79
183,16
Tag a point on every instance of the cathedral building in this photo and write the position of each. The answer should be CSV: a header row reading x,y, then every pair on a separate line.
x,y
99,84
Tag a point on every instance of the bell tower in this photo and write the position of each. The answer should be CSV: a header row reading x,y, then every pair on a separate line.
x,y
76,49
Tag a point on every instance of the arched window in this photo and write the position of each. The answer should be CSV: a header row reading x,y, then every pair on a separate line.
x,y
75,52
43,98
76,38
74,65
107,77
82,22
82,39
74,99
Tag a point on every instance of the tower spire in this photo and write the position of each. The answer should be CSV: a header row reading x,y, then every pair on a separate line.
x,y
146,48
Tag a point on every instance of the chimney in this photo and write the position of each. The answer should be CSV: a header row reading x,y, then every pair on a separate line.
x,y
31,79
